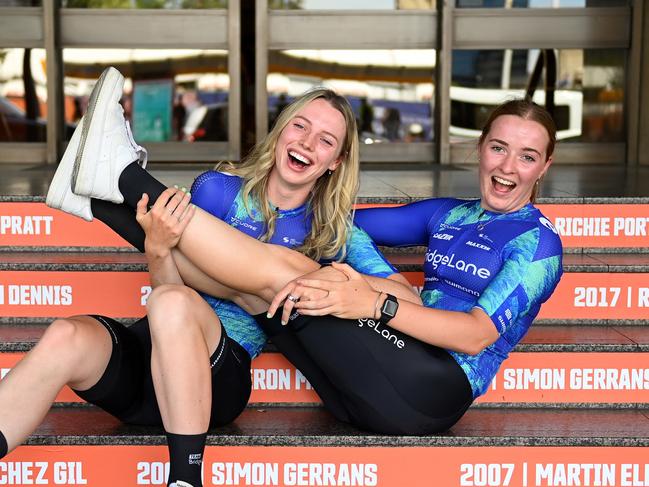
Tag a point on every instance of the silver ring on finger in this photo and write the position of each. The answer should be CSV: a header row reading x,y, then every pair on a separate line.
x,y
295,299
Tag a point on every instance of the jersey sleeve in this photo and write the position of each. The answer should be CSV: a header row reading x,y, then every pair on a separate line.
x,y
531,270
209,193
400,226
364,257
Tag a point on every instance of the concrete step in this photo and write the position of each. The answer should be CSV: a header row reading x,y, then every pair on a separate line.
x,y
553,366
595,288
410,261
593,224
305,446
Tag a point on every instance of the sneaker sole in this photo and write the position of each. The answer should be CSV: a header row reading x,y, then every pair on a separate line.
x,y
60,186
108,85
60,183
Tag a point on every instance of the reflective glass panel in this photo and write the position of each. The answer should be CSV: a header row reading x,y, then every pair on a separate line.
x,y
166,4
169,95
23,95
390,90
539,3
21,3
352,4
589,96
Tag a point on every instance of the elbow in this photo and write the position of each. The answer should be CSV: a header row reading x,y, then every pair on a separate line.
x,y
478,343
475,347
481,335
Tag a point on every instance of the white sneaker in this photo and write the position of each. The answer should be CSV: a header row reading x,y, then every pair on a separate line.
x,y
107,144
60,194
180,483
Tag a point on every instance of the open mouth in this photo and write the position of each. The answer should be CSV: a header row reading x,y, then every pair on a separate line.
x,y
297,160
502,185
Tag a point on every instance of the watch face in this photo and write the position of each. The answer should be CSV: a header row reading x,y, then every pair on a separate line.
x,y
390,307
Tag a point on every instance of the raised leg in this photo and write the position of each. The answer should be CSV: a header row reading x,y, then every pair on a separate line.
x,y
220,251
121,219
104,168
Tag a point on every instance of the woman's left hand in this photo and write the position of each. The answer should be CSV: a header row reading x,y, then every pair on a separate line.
x,y
350,299
165,222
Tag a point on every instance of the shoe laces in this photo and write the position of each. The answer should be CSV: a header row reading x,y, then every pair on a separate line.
x,y
142,157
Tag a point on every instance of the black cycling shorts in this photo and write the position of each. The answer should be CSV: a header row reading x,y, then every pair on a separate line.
x,y
126,391
375,377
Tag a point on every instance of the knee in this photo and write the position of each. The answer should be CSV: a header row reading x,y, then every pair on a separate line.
x,y
169,298
66,335
170,307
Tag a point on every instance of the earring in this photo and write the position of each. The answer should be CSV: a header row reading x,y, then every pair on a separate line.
x,y
329,172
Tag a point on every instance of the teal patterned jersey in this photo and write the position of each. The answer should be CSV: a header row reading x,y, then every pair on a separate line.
x,y
220,195
506,264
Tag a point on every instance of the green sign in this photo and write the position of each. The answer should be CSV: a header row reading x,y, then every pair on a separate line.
x,y
152,110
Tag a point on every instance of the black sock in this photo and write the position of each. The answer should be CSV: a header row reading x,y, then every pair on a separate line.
x,y
3,445
121,219
134,181
186,458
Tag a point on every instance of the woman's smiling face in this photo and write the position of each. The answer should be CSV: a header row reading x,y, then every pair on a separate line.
x,y
513,156
310,144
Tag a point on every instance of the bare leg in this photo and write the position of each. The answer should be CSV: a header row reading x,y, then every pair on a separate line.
x,y
184,333
238,261
73,351
121,218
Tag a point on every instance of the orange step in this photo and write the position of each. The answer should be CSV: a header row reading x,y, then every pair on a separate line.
x,y
333,466
613,225
305,446
601,294
553,365
34,224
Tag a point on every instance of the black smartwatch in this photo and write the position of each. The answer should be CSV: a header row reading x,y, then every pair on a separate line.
x,y
389,308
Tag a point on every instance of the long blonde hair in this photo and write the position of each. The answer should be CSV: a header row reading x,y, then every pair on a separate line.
x,y
331,198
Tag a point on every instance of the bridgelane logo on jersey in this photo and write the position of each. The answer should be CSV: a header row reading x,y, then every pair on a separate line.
x,y
450,261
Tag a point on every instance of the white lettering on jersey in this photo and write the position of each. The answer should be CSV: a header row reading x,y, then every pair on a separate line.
x,y
450,261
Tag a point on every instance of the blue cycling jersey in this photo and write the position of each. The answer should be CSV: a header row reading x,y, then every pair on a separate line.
x,y
507,264
220,195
